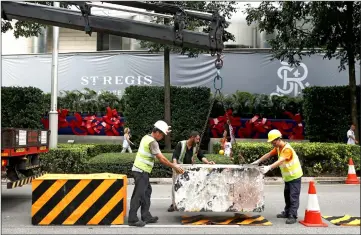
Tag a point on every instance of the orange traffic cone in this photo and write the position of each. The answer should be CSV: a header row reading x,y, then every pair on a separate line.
x,y
313,214
351,177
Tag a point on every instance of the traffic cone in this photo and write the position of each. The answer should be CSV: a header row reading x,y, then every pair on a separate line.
x,y
313,214
351,177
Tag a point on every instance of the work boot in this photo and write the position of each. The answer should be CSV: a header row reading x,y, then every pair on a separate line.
x,y
151,220
283,215
291,220
171,208
139,223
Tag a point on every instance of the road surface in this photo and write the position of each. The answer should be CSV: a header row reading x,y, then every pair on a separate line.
x,y
334,200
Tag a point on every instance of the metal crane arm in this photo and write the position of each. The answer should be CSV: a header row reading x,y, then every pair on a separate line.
x,y
117,26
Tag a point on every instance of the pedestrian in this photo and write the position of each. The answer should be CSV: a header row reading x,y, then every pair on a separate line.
x,y
126,141
351,135
184,153
225,135
291,170
143,164
228,148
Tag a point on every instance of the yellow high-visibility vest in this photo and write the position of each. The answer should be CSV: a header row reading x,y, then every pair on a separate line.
x,y
183,151
144,159
290,170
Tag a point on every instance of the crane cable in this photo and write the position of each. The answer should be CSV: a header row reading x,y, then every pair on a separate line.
x,y
217,79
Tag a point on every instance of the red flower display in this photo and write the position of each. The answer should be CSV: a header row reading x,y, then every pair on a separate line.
x,y
62,122
256,127
111,122
217,124
89,125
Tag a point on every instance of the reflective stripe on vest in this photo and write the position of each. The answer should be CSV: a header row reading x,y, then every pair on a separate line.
x,y
144,159
183,151
290,169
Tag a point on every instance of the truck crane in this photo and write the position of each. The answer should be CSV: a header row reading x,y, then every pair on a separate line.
x,y
84,20
20,155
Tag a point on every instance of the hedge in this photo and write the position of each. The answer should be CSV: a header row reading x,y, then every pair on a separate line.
x,y
83,159
318,159
326,159
144,105
327,113
122,163
73,158
21,107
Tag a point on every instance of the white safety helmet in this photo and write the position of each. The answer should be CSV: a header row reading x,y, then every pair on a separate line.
x,y
163,126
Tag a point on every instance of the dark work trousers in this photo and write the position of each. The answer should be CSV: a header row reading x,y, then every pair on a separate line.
x,y
140,197
292,197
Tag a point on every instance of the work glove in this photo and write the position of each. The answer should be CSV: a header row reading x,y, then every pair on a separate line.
x,y
265,169
255,162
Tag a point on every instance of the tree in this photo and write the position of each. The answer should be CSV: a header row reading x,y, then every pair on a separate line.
x,y
307,28
26,28
225,8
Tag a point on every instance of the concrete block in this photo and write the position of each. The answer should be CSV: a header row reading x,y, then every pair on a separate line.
x,y
219,188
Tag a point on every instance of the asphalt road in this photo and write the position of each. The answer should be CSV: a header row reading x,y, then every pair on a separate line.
x,y
334,200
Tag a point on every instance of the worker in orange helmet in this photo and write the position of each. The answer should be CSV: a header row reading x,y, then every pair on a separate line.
x,y
291,170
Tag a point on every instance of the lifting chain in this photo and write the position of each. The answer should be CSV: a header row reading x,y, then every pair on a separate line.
x,y
218,64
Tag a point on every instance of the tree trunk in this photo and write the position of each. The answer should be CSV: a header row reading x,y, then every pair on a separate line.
x,y
350,48
359,100
167,114
352,83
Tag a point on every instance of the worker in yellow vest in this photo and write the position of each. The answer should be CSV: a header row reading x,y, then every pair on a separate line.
x,y
291,170
142,167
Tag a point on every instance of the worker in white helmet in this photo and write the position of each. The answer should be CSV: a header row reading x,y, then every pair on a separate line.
x,y
291,170
142,167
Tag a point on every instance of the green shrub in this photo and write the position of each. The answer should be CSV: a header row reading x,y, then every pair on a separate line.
x,y
65,161
317,159
104,148
122,164
21,107
327,159
72,158
327,113
144,105
216,148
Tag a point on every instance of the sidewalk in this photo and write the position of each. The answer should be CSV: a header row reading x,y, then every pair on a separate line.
x,y
268,180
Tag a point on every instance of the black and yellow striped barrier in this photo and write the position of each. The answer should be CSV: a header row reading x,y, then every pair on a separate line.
x,y
22,182
94,199
239,219
345,220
